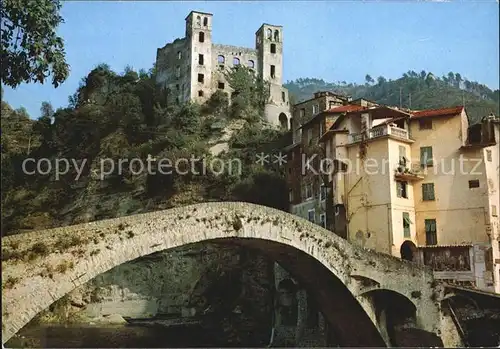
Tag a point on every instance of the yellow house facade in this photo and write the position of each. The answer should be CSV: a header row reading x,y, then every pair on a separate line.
x,y
421,186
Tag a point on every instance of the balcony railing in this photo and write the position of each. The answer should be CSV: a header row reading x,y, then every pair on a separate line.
x,y
380,131
408,171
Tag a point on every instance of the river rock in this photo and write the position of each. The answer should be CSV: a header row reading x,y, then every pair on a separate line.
x,y
110,319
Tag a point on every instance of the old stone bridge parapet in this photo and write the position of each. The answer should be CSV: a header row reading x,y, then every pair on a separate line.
x,y
40,267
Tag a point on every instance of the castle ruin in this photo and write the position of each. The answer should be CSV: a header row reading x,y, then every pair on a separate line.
x,y
192,68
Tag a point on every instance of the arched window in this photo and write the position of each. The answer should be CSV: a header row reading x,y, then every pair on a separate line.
x,y
251,64
205,21
221,59
198,20
283,120
201,37
269,34
236,61
276,36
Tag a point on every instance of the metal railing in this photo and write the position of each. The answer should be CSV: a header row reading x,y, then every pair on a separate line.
x,y
379,131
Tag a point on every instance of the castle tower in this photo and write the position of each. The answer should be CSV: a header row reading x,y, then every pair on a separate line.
x,y
199,40
269,46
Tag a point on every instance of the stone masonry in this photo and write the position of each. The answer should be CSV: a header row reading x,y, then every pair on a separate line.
x,y
338,274
192,68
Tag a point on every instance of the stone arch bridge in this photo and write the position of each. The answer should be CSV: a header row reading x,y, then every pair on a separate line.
x,y
348,282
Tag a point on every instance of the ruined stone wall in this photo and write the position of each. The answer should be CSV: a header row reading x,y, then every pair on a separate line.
x,y
172,62
224,58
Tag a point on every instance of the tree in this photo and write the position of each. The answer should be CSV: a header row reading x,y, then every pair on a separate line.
x,y
369,79
47,110
31,49
458,80
250,95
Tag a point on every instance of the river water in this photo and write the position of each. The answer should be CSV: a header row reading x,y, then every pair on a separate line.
x,y
113,336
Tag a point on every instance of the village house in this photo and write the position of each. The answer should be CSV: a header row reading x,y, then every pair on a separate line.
x,y
419,185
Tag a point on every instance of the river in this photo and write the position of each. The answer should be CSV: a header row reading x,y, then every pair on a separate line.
x,y
113,336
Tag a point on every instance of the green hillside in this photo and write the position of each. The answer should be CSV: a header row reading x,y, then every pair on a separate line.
x,y
413,90
126,116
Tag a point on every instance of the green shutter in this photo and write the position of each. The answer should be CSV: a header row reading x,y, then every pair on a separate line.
x,y
426,156
428,191
430,225
406,224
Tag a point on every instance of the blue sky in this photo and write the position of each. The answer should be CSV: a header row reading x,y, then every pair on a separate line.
x,y
331,40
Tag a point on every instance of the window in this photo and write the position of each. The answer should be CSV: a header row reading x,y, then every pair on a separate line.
x,y
322,193
321,128
308,191
205,21
221,59
290,195
220,85
302,112
276,36
430,232
201,78
494,210
402,155
311,216
425,124
406,225
273,71
236,61
201,37
200,59
428,192
315,109
402,189
309,135
179,55
269,34
251,64
178,72
488,155
425,156
283,96
322,220
474,183
198,20
273,48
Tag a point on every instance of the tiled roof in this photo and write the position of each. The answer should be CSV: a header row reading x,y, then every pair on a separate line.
x,y
346,108
438,112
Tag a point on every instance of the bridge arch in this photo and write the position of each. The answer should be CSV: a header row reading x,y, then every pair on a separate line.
x,y
320,260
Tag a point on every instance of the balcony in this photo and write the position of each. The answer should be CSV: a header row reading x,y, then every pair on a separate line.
x,y
380,131
408,172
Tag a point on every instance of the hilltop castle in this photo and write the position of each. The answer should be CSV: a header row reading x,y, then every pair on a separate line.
x,y
191,68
